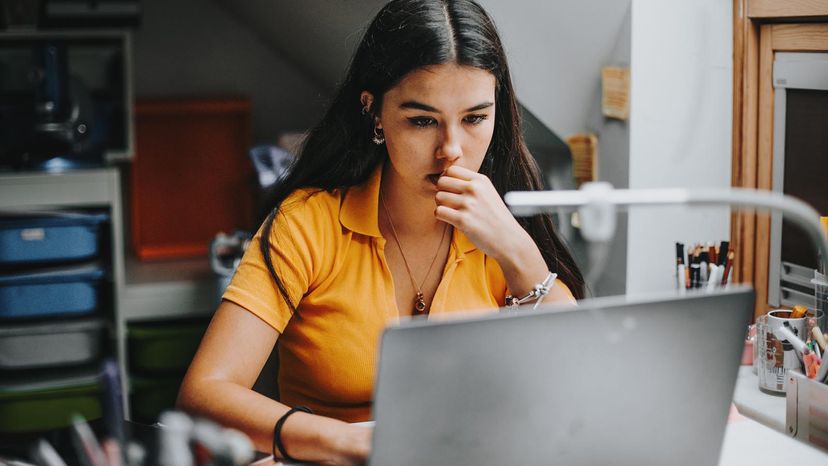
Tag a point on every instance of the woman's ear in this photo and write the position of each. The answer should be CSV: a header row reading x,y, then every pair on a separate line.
x,y
367,101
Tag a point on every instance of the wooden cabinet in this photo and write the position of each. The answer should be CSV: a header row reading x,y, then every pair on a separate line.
x,y
762,29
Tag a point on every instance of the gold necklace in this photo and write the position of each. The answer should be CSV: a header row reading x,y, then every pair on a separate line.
x,y
419,300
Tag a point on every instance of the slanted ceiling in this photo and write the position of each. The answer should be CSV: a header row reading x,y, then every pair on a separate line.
x,y
556,48
317,36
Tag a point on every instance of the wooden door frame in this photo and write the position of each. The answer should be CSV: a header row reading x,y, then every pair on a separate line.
x,y
760,29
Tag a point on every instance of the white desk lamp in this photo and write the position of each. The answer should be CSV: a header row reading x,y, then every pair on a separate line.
x,y
598,202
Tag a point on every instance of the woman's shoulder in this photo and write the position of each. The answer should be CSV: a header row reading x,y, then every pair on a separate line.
x,y
311,201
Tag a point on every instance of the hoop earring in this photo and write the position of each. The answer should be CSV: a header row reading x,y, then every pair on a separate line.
x,y
365,110
379,137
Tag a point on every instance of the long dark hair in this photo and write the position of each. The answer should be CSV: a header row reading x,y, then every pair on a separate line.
x,y
404,36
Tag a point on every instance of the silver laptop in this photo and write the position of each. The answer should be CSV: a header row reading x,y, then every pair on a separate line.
x,y
615,381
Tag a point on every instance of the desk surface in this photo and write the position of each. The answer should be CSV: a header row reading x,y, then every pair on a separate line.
x,y
766,409
745,442
755,430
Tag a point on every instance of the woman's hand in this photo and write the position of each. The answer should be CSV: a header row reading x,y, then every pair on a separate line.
x,y
468,201
352,444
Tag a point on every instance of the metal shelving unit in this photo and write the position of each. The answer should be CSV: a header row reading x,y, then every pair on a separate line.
x,y
96,188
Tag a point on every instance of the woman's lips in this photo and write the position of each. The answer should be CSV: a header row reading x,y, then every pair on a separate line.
x,y
435,176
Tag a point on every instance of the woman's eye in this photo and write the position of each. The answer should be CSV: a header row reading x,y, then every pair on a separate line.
x,y
422,121
475,119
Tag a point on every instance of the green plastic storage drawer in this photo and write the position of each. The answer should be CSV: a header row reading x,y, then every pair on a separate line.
x,y
164,346
42,404
149,397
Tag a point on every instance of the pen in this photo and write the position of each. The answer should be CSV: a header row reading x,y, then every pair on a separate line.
x,y
680,265
687,277
113,444
241,449
818,337
728,267
87,446
44,454
211,448
694,270
174,440
785,333
136,454
723,247
714,278
704,259
811,364
680,277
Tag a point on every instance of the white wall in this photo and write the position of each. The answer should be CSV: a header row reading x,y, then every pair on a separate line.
x,y
680,128
556,49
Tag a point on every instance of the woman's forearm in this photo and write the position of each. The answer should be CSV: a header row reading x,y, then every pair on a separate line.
x,y
524,268
304,436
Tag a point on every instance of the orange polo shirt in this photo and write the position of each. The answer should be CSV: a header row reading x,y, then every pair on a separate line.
x,y
328,250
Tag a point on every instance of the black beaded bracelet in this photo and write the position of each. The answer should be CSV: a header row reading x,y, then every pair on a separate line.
x,y
277,433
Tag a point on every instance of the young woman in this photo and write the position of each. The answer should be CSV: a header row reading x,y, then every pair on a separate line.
x,y
392,209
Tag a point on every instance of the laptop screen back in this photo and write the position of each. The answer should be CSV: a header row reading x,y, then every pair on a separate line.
x,y
613,381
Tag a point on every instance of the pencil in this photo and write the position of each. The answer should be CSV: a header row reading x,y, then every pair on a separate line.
x,y
730,257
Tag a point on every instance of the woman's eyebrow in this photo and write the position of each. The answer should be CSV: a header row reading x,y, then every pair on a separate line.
x,y
418,106
480,106
413,104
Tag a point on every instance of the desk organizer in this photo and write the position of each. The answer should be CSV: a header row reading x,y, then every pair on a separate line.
x,y
50,237
807,410
50,292
46,402
30,346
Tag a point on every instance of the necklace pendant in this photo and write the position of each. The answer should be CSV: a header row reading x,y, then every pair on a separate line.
x,y
419,304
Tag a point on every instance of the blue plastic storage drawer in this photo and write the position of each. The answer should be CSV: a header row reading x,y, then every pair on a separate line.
x,y
49,237
46,293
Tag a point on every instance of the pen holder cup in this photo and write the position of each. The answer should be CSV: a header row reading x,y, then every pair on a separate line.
x,y
775,359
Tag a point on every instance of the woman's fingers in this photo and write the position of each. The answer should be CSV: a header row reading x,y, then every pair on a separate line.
x,y
451,184
456,171
451,216
454,200
462,181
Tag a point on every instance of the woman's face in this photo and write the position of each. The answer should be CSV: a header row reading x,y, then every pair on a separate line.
x,y
436,117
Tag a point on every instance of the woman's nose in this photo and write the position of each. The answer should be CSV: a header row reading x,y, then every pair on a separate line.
x,y
449,146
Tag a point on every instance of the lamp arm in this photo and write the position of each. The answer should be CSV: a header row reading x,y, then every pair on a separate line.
x,y
525,203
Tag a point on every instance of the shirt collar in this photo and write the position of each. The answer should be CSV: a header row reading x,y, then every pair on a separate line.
x,y
359,212
359,208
